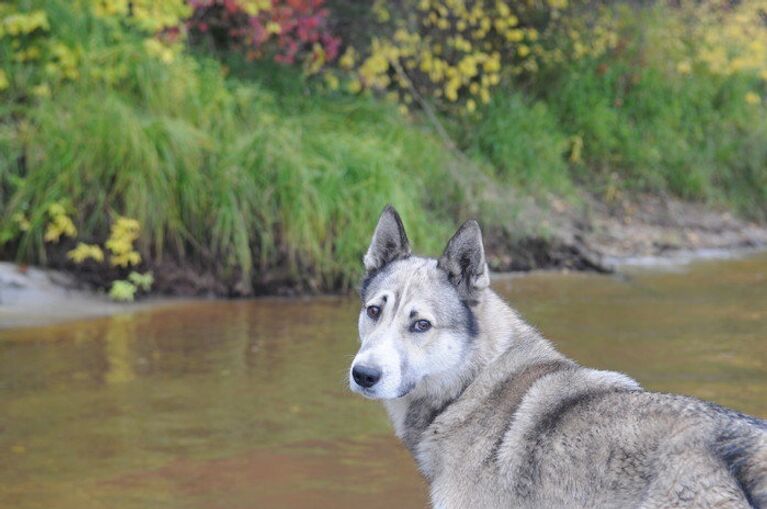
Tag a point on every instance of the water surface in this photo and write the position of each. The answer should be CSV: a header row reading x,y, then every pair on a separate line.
x,y
244,404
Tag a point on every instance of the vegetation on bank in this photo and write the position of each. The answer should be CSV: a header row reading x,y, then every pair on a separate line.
x,y
265,175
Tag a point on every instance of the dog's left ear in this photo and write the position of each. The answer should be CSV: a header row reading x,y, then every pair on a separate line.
x,y
464,261
389,241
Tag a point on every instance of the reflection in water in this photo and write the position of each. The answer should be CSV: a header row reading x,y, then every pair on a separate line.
x,y
244,404
118,338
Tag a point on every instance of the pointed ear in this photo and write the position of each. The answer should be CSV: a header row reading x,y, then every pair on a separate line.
x,y
389,241
464,261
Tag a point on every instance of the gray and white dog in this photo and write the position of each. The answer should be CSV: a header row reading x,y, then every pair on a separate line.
x,y
496,417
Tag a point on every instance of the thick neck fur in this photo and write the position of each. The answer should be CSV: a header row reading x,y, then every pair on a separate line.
x,y
501,331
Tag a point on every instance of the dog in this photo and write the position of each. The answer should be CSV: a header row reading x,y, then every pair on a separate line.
x,y
496,417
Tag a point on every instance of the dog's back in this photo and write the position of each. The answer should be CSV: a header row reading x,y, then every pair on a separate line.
x,y
583,438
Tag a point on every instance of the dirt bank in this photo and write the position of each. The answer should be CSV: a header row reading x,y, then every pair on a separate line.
x,y
590,235
597,236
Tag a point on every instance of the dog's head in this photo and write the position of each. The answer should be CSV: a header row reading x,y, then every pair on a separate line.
x,y
416,321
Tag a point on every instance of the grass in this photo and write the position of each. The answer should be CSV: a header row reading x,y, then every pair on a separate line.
x,y
522,141
219,174
696,139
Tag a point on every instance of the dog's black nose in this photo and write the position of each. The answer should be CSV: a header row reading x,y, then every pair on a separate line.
x,y
366,376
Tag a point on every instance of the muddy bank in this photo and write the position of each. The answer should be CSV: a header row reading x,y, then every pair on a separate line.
x,y
597,236
588,236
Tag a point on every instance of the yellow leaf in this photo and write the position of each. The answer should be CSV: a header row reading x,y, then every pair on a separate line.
x,y
273,28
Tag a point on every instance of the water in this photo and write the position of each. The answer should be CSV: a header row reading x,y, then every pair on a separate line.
x,y
244,405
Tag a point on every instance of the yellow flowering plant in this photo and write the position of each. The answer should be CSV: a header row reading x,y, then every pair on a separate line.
x,y
59,223
122,254
718,37
124,290
84,252
40,49
124,232
452,52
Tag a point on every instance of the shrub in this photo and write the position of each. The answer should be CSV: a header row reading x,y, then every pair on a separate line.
x,y
452,51
290,31
217,172
46,44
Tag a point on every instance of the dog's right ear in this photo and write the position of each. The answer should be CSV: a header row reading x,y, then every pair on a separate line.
x,y
389,241
464,261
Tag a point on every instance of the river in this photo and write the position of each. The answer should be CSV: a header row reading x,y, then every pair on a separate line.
x,y
244,404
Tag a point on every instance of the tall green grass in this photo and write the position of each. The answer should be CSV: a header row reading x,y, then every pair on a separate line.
x,y
696,138
522,141
220,175
259,186
230,168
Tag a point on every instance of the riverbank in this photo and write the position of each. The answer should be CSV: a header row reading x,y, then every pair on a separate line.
x,y
590,237
240,178
600,236
581,234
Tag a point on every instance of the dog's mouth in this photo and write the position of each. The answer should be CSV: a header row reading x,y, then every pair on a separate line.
x,y
364,391
368,393
372,393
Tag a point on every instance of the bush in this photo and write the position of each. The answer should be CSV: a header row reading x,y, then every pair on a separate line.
x,y
452,52
47,44
217,172
263,187
289,31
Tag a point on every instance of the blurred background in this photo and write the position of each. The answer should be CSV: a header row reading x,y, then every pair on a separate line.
x,y
156,149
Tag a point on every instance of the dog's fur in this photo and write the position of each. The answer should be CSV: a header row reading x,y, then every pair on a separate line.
x,y
496,417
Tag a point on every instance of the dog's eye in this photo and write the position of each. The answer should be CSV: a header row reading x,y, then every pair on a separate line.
x,y
374,312
420,326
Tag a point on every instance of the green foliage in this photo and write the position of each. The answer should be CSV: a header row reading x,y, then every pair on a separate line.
x,y
523,143
46,44
221,172
693,135
252,188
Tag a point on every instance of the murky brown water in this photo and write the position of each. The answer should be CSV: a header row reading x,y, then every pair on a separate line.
x,y
244,405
